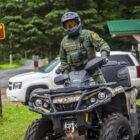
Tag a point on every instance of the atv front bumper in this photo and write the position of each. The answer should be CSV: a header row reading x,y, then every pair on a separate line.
x,y
78,107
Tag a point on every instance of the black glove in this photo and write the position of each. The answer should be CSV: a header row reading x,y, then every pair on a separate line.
x,y
105,60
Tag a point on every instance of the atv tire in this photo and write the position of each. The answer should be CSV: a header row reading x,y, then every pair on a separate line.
x,y
116,127
39,129
138,117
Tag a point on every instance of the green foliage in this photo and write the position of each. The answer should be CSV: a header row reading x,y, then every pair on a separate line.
x,y
35,26
16,64
14,122
138,102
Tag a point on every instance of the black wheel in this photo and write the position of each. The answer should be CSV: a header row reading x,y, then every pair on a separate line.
x,y
41,129
116,127
138,116
31,90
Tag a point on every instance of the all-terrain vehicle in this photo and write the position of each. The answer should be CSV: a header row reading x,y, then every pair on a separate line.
x,y
85,110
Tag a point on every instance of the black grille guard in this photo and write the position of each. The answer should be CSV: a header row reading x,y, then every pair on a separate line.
x,y
84,91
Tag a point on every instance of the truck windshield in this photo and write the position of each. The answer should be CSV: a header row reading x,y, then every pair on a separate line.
x,y
51,66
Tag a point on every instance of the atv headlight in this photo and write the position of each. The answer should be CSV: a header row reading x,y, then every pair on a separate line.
x,y
17,85
92,100
45,105
101,95
38,103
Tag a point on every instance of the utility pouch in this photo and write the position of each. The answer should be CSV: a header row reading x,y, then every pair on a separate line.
x,y
83,54
75,57
69,59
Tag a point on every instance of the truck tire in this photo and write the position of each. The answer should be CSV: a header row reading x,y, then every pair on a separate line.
x,y
31,90
116,127
137,137
38,129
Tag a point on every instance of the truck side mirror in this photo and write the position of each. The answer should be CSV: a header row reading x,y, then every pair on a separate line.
x,y
58,70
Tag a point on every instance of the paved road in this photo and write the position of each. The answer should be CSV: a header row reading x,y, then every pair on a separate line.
x,y
6,74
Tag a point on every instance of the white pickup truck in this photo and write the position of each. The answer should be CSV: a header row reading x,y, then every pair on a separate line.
x,y
23,85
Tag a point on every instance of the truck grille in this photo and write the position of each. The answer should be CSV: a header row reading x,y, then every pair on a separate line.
x,y
10,86
66,107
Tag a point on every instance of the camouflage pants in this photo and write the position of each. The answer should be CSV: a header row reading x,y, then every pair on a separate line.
x,y
98,76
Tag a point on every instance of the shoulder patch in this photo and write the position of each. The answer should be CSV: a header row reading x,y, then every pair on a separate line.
x,y
94,35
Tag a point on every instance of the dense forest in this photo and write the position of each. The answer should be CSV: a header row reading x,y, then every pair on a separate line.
x,y
34,27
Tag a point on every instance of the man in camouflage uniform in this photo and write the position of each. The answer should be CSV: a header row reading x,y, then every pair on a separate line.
x,y
79,46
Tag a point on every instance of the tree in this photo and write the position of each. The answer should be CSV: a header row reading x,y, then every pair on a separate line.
x,y
13,26
35,26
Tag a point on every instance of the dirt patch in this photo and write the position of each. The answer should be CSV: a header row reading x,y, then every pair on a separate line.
x,y
5,99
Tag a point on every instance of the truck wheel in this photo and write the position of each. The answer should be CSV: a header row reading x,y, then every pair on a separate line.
x,y
116,127
31,90
40,129
137,137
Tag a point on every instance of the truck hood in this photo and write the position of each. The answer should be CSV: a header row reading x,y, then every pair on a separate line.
x,y
29,75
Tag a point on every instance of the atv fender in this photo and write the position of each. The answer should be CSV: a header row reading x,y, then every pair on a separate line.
x,y
131,96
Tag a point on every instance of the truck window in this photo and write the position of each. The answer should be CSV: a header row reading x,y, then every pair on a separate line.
x,y
120,58
51,66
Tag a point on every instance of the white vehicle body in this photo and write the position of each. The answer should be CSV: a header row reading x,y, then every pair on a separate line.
x,y
30,79
135,81
35,79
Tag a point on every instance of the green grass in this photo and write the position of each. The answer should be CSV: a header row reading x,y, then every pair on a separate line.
x,y
15,120
12,66
138,102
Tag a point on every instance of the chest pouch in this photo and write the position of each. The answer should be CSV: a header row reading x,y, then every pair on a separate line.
x,y
83,55
75,57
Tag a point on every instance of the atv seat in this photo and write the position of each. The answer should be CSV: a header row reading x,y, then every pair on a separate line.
x,y
118,72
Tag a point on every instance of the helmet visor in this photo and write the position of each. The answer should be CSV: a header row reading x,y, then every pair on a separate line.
x,y
70,24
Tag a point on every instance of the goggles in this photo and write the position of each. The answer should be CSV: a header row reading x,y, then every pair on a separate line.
x,y
70,24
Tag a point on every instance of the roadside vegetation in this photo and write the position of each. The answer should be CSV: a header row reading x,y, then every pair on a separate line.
x,y
15,121
34,27
138,102
15,64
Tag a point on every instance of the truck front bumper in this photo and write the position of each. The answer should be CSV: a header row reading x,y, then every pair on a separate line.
x,y
16,95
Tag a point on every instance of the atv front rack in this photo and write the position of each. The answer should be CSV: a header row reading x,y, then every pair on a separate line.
x,y
73,89
84,93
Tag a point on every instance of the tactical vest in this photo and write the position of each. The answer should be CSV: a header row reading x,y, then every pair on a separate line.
x,y
73,48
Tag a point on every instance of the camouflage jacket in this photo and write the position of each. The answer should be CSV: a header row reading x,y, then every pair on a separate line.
x,y
72,47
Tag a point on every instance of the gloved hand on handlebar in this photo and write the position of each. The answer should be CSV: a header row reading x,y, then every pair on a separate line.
x,y
105,60
104,56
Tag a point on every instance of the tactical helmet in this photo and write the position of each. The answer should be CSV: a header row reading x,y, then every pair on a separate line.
x,y
71,16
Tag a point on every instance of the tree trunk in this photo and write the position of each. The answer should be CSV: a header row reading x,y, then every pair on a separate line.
x,y
52,53
11,59
50,57
0,104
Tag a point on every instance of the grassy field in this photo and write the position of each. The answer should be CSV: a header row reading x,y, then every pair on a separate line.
x,y
138,102
15,121
12,66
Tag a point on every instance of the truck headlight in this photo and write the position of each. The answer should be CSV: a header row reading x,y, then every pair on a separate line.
x,y
17,85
